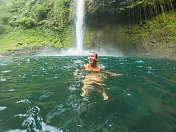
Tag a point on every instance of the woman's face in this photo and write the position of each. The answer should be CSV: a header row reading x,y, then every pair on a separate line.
x,y
92,59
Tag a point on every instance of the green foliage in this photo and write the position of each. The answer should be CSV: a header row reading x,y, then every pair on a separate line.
x,y
3,29
129,11
4,23
4,17
50,21
16,6
46,13
37,22
36,37
40,12
26,23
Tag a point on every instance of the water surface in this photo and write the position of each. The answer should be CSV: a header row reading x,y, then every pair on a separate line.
x,y
42,94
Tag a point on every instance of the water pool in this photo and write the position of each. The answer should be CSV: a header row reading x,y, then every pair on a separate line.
x,y
42,94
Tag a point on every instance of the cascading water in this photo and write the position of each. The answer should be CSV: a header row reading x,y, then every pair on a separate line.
x,y
79,27
79,22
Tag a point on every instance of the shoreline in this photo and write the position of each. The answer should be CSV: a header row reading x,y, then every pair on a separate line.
x,y
37,50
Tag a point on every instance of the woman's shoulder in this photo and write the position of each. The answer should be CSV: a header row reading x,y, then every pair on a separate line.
x,y
101,68
85,66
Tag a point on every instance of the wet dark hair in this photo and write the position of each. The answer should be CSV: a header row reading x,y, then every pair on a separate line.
x,y
96,55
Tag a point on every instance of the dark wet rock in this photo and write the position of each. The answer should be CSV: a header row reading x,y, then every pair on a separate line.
x,y
27,51
44,45
20,43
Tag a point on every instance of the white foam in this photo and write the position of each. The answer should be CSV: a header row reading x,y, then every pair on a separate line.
x,y
2,108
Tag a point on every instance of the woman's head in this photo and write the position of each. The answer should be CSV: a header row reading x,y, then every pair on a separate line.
x,y
92,58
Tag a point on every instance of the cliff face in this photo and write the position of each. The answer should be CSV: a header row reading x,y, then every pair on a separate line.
x,y
138,28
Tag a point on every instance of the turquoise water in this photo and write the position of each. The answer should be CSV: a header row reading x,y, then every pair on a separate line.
x,y
41,94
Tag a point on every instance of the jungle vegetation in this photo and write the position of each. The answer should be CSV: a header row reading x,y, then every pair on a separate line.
x,y
51,22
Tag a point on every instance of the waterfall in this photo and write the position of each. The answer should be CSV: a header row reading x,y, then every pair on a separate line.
x,y
79,32
79,27
79,22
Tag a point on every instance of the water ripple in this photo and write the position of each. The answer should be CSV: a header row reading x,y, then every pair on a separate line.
x,y
2,79
2,108
17,130
46,95
6,71
24,101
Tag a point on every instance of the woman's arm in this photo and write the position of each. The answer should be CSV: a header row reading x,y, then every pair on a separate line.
x,y
112,74
77,70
